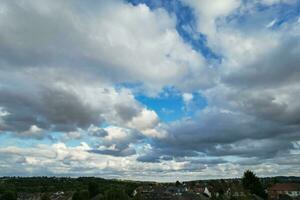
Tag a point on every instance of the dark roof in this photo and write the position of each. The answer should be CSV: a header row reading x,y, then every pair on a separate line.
x,y
285,187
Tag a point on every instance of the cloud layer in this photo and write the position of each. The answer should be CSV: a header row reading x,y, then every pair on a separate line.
x,y
71,73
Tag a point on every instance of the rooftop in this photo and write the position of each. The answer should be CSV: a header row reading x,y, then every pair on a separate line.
x,y
285,187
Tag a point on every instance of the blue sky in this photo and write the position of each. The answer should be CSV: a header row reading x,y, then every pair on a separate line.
x,y
170,105
185,24
149,89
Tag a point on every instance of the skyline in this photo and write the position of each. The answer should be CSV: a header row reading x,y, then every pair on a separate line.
x,y
157,90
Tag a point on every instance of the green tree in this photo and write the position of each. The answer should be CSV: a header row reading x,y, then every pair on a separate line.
x,y
9,195
115,194
45,197
93,189
76,195
81,195
252,183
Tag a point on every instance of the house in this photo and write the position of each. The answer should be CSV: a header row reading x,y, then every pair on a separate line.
x,y
280,189
207,192
198,190
176,190
153,193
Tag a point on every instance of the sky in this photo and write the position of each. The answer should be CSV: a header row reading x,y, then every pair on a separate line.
x,y
156,90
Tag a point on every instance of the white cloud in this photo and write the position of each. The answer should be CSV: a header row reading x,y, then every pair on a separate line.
x,y
33,132
109,42
59,159
3,113
187,98
271,24
208,12
147,119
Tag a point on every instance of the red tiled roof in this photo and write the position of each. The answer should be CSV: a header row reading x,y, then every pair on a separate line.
x,y
285,187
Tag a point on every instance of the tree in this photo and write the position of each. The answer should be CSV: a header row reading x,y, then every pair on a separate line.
x,y
252,183
93,189
177,183
9,195
45,197
115,194
81,195
76,196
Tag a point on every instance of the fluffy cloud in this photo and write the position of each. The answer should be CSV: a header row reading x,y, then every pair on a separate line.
x,y
208,12
252,110
59,66
106,43
58,159
187,98
64,107
68,67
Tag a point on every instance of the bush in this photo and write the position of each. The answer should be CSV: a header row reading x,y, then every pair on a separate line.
x,y
93,189
45,197
81,195
115,194
9,195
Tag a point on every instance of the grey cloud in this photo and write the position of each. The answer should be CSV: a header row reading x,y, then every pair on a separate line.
x,y
279,66
117,142
166,153
267,148
221,134
121,153
148,158
97,42
50,109
125,112
99,133
207,161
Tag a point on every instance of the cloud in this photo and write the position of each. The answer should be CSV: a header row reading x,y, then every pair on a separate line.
x,y
271,2
72,68
58,159
104,43
118,141
34,132
146,121
187,98
60,73
251,102
208,12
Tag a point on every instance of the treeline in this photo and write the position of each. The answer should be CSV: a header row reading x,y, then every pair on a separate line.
x,y
112,192
83,187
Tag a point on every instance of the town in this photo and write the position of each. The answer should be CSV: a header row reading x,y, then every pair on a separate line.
x,y
248,187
